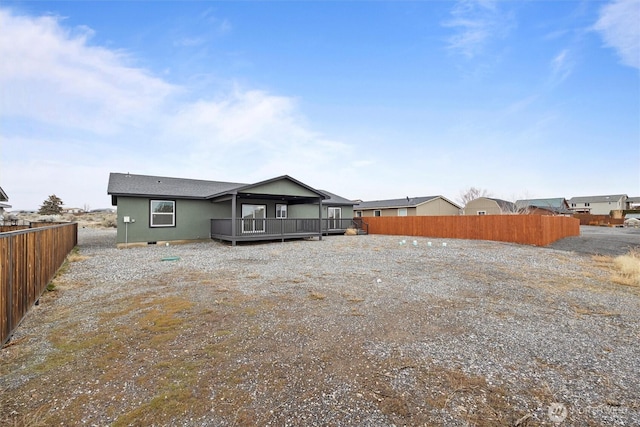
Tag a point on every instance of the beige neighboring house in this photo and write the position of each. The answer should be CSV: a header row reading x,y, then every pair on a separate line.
x,y
489,206
598,205
3,206
409,206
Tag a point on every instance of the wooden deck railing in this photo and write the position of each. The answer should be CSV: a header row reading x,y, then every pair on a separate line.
x,y
29,259
536,230
276,228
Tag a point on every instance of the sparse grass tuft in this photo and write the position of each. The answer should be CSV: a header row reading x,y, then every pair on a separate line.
x,y
627,269
315,295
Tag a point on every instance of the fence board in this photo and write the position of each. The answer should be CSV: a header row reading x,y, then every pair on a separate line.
x,y
29,259
538,230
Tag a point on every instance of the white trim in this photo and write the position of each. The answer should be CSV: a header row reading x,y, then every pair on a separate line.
x,y
162,214
280,210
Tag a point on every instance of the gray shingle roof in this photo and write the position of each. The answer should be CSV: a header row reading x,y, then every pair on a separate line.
x,y
557,204
505,205
124,184
407,202
334,199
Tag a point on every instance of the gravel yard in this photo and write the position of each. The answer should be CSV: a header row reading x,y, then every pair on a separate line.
x,y
347,331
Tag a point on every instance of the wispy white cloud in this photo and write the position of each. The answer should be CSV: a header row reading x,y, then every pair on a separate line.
x,y
619,27
69,104
476,23
561,66
53,75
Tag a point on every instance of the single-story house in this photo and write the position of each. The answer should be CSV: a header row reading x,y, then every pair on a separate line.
x,y
598,205
154,209
489,206
3,198
409,206
553,206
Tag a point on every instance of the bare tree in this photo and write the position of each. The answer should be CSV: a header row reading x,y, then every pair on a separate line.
x,y
472,193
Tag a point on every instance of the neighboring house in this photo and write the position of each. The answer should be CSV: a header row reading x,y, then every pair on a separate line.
x,y
154,209
72,210
598,205
489,206
555,206
633,202
416,206
3,206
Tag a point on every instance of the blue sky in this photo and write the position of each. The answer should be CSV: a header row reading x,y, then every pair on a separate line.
x,y
366,99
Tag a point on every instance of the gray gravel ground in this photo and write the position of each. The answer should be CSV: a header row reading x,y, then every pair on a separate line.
x,y
594,240
347,331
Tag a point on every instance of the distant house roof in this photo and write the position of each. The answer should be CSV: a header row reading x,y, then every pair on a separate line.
x,y
407,202
597,199
558,204
505,206
633,200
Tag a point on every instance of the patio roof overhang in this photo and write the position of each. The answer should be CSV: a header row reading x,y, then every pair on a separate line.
x,y
291,200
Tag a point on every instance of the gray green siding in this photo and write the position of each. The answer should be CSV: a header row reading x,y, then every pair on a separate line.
x,y
192,220
282,187
311,211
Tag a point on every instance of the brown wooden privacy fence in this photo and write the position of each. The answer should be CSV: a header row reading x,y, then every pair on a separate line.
x,y
588,219
536,230
29,259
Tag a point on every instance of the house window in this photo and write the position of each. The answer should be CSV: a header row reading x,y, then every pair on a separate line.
x,y
281,211
163,213
573,205
482,212
253,218
586,204
402,212
358,214
376,212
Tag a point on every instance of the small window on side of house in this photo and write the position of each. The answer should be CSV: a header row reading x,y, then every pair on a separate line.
x,y
376,212
162,213
482,212
402,212
358,214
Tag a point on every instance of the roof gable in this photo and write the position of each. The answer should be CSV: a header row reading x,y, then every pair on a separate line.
x,y
3,196
504,205
283,185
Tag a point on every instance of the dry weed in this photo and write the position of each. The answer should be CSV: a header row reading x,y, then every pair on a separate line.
x,y
627,269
